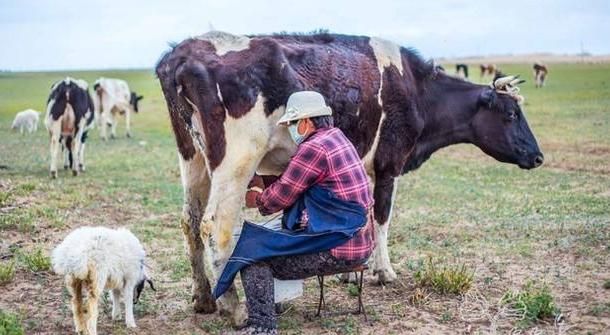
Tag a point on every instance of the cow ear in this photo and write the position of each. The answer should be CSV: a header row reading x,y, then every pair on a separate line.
x,y
487,98
140,97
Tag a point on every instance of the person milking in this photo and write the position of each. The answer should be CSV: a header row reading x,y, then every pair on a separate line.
x,y
327,218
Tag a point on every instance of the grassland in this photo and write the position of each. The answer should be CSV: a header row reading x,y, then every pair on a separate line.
x,y
507,226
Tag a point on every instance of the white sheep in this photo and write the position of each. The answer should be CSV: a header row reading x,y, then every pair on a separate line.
x,y
94,259
26,120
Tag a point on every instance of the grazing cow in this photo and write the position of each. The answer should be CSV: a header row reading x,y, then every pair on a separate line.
x,y
26,120
69,117
488,69
461,70
540,72
225,94
112,97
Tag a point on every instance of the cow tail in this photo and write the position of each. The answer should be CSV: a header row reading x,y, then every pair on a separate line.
x,y
177,108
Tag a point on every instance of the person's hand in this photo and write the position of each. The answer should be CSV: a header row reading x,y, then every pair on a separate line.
x,y
255,188
251,196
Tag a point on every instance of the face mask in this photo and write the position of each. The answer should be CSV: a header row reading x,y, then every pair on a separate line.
x,y
294,133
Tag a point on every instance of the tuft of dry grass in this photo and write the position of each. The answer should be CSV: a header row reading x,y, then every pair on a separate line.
x,y
533,302
443,278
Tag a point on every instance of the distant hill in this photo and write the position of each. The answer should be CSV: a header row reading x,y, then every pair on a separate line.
x,y
528,58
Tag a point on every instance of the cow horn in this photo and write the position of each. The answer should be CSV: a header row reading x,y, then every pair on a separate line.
x,y
517,81
502,82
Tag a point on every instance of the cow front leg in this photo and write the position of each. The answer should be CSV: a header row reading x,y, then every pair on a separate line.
x,y
196,185
385,192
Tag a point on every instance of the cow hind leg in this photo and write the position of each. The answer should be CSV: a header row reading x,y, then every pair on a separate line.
x,y
222,214
55,131
385,194
196,184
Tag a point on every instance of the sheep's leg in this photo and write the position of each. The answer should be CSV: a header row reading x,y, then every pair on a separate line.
x,y
116,304
128,122
75,287
196,185
130,322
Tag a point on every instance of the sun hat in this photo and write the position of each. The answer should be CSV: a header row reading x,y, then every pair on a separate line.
x,y
304,104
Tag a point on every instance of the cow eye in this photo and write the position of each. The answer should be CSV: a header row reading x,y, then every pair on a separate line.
x,y
512,115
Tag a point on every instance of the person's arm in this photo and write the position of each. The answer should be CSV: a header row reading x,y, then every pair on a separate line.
x,y
305,168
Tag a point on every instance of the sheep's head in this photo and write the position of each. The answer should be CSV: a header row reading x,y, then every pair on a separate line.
x,y
144,278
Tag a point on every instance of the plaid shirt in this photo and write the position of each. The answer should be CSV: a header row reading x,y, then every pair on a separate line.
x,y
326,158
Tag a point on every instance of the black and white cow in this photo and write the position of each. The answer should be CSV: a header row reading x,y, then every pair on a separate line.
x,y
112,97
225,94
69,117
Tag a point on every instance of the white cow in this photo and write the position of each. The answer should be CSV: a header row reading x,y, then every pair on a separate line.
x,y
26,120
112,97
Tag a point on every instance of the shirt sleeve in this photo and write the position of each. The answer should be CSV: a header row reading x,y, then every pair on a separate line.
x,y
307,167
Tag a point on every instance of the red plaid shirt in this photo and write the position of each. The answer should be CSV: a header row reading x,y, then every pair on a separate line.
x,y
326,158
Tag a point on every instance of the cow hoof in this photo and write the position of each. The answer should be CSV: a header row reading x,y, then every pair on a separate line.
x,y
66,167
81,167
75,173
240,317
54,174
128,135
385,276
202,306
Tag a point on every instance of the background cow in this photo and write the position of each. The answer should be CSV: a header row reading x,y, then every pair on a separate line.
x,y
225,93
488,70
112,97
540,72
461,70
69,116
27,121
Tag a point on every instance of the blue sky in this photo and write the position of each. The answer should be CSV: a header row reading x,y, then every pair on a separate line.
x,y
93,34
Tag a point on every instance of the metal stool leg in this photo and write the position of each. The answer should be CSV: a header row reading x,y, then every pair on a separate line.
x,y
321,302
361,308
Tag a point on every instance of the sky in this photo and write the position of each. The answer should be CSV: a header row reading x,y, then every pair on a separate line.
x,y
93,34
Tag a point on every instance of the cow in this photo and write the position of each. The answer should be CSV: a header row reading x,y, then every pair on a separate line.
x,y
540,72
225,94
112,97
488,69
69,117
461,70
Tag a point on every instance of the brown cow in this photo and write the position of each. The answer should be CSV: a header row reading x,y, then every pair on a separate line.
x,y
225,93
540,72
488,69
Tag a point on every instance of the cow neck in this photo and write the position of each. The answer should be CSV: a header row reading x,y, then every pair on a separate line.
x,y
448,107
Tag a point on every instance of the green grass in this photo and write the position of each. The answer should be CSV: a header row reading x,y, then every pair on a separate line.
x,y
10,324
507,223
35,260
7,272
444,278
533,302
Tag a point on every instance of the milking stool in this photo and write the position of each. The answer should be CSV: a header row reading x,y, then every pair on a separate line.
x,y
359,279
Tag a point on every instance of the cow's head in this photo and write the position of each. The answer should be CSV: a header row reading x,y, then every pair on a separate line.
x,y
500,127
133,100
